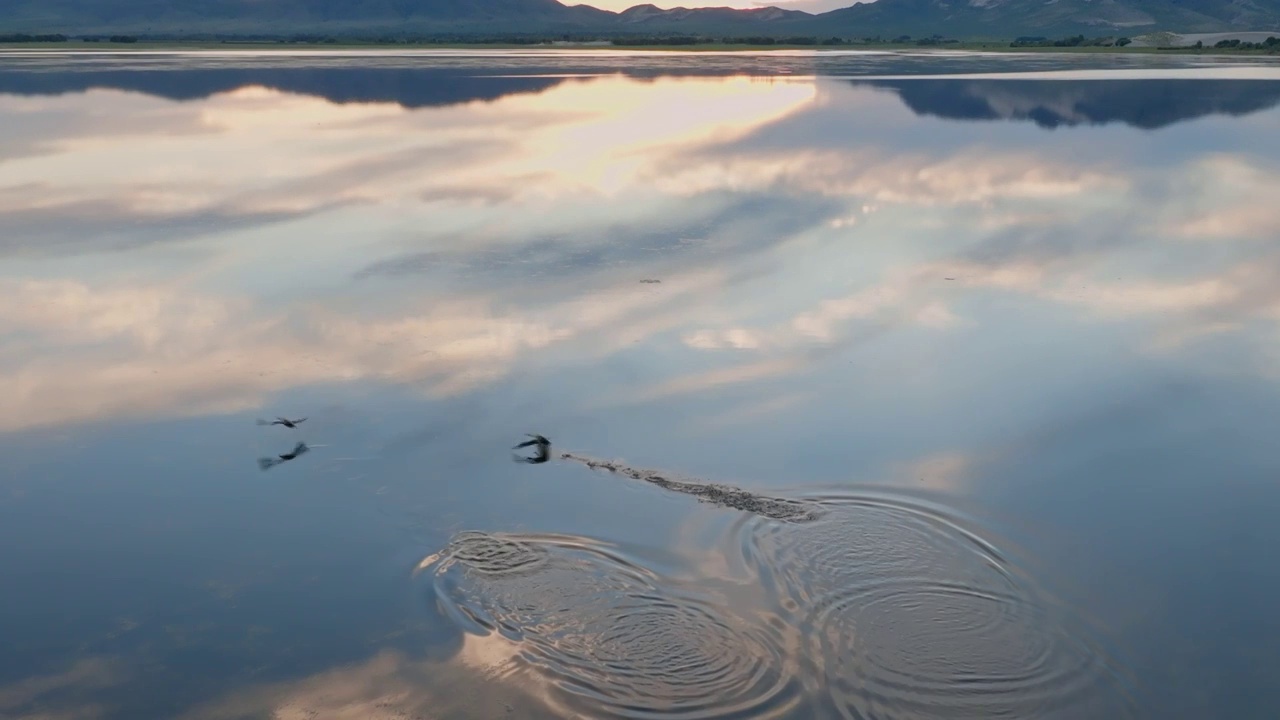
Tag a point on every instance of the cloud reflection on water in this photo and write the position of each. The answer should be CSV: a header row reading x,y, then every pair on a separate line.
x,y
478,682
55,696
456,193
863,292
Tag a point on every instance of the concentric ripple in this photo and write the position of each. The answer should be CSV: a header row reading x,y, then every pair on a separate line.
x,y
909,614
612,636
493,554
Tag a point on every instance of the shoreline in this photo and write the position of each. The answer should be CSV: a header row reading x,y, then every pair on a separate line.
x,y
286,47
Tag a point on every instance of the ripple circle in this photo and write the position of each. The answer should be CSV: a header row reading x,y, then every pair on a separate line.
x,y
911,614
615,639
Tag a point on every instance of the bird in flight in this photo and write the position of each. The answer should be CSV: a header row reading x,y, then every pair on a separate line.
x,y
544,449
284,421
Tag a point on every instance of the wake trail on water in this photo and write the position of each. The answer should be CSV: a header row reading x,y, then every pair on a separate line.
x,y
714,493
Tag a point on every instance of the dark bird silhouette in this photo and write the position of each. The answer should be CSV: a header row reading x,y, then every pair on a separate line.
x,y
544,450
284,421
268,463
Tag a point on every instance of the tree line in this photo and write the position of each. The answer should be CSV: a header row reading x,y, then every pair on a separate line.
x,y
1071,41
60,38
1270,45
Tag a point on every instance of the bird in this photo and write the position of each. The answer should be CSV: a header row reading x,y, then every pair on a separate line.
x,y
284,421
544,449
537,440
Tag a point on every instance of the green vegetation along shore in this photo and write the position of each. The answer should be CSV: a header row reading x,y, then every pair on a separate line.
x,y
1073,44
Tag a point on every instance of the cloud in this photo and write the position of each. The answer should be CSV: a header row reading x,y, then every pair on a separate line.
x,y
35,128
874,176
620,5
82,353
75,227
883,304
1175,308
1052,229
534,217
720,377
392,686
253,156
754,410
811,6
59,696
1225,197
114,342
78,352
949,472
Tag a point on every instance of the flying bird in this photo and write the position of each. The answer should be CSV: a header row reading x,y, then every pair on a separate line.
x,y
544,450
284,421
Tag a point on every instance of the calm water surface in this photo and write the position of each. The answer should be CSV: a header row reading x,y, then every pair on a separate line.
x,y
879,385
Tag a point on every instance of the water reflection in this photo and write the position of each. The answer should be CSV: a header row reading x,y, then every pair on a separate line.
x,y
853,288
542,451
901,609
912,614
433,82
1138,103
267,463
617,639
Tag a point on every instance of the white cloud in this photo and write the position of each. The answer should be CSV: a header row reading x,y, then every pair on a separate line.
x,y
1225,197
61,696
880,178
813,6
572,164
254,151
392,686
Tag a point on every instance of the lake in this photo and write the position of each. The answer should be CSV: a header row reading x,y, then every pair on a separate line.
x,y
878,385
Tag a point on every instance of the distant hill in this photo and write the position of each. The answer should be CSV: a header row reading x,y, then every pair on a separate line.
x,y
364,17
764,20
886,18
1055,18
293,16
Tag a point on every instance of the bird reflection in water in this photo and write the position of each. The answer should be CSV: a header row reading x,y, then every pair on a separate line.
x,y
543,453
268,463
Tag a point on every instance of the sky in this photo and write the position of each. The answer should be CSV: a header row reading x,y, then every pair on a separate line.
x,y
813,6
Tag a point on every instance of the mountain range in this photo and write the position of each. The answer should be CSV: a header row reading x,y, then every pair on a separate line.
x,y
440,18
